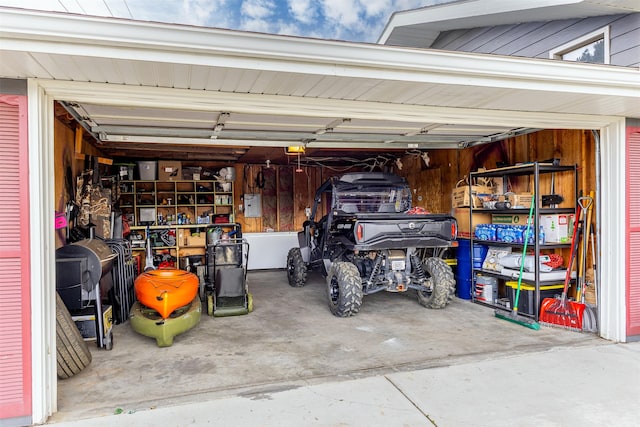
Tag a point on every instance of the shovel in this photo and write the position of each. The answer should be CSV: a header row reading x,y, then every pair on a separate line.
x,y
561,311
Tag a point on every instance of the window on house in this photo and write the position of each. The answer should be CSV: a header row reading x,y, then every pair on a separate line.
x,y
592,48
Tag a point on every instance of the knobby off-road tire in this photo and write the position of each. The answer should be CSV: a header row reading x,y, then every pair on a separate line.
x,y
73,354
296,268
444,284
344,287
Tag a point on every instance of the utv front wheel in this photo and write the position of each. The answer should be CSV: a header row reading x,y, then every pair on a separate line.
x,y
442,284
296,268
345,289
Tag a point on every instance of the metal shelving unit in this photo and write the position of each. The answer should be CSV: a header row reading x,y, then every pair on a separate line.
x,y
533,171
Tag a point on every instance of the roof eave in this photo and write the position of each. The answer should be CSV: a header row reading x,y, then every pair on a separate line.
x,y
124,39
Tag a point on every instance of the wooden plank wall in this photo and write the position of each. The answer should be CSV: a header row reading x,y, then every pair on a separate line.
x,y
570,146
295,192
290,192
432,186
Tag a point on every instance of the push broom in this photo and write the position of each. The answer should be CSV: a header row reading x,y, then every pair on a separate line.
x,y
513,316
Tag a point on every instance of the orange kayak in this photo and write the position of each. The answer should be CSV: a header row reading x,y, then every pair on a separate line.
x,y
165,290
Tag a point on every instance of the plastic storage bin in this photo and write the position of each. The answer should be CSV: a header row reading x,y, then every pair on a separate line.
x,y
148,170
526,302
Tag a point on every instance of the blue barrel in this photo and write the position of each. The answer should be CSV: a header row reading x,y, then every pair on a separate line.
x,y
464,271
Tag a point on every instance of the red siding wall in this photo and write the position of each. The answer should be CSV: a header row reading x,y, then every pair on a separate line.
x,y
15,312
633,227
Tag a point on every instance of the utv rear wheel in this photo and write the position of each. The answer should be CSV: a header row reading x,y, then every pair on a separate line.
x,y
344,287
72,352
442,284
296,268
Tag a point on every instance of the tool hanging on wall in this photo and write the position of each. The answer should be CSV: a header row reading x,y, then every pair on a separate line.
x,y
552,200
71,207
260,180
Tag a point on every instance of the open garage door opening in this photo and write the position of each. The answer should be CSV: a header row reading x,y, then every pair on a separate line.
x,y
290,338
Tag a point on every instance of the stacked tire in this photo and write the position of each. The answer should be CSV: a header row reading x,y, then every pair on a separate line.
x,y
72,352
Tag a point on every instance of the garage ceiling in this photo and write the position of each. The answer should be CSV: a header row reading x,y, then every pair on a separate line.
x,y
164,90
254,138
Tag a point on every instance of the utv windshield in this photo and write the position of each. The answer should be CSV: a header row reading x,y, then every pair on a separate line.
x,y
372,199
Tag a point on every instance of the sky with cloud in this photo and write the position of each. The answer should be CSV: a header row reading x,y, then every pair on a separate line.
x,y
353,20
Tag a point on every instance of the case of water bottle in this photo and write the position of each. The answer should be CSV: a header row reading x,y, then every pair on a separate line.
x,y
503,233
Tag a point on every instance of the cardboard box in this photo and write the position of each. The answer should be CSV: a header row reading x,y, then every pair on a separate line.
x,y
196,240
509,219
520,200
169,170
557,228
462,217
460,196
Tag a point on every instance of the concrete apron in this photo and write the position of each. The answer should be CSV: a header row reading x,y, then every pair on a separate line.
x,y
292,340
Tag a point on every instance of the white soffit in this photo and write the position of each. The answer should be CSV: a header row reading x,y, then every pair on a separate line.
x,y
294,87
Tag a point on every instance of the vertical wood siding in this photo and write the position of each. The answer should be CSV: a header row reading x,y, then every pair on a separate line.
x,y
536,39
633,231
15,328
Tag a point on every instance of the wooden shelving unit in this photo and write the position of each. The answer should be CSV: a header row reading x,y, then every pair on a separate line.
x,y
177,214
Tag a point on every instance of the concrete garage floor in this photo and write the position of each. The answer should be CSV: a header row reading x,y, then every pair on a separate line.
x,y
291,340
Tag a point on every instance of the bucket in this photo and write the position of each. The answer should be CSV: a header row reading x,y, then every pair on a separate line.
x,y
486,288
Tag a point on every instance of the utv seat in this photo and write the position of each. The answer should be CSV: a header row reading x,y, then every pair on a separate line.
x,y
387,207
349,208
